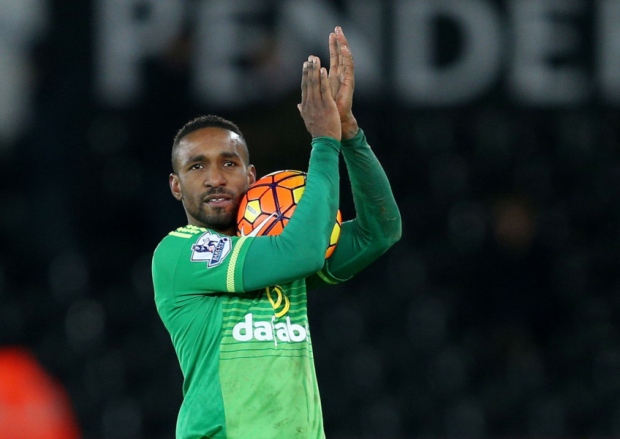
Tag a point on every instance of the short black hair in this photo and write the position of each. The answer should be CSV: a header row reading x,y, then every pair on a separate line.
x,y
200,122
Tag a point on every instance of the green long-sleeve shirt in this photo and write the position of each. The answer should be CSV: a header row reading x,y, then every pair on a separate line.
x,y
236,309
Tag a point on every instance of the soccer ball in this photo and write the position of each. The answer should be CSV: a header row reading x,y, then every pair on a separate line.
x,y
269,203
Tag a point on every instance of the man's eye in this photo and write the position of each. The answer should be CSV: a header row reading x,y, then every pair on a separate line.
x,y
228,164
197,166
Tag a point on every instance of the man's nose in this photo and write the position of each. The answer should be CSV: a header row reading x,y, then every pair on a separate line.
x,y
215,178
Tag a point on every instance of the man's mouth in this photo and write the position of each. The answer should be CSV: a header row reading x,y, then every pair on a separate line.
x,y
217,199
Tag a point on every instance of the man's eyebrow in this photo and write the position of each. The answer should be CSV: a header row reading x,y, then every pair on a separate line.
x,y
230,155
202,158
195,158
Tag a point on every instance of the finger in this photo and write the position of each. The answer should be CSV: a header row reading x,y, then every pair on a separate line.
x,y
348,67
326,89
304,83
314,64
340,35
334,63
341,42
334,54
344,55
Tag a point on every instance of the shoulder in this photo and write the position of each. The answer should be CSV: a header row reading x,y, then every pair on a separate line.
x,y
179,238
197,243
185,233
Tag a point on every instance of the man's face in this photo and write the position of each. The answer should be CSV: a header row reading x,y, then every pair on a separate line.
x,y
212,175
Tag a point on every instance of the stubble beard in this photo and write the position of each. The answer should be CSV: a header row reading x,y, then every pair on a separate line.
x,y
216,218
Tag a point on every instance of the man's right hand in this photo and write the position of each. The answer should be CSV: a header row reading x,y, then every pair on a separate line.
x,y
342,79
318,108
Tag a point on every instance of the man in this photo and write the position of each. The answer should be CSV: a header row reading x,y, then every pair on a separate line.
x,y
247,358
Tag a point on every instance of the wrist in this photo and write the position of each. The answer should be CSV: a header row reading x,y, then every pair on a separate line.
x,y
349,127
326,143
358,140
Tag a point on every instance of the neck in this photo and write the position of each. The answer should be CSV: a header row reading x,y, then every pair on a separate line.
x,y
230,231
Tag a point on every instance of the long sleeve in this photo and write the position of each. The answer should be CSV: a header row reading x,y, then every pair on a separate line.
x,y
299,250
377,225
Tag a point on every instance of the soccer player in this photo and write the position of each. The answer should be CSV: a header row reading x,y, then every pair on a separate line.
x,y
235,307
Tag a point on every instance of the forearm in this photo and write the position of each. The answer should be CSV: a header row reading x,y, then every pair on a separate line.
x,y
377,225
300,249
375,205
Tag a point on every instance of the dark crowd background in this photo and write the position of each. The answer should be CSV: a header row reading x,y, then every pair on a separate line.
x,y
496,315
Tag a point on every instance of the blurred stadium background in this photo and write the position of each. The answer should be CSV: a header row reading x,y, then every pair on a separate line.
x,y
497,121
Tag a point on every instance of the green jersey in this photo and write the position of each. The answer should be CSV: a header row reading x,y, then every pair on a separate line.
x,y
236,308
247,358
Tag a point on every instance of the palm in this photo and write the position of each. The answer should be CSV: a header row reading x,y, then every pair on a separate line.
x,y
342,95
341,74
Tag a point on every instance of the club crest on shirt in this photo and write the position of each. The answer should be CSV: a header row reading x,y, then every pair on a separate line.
x,y
211,248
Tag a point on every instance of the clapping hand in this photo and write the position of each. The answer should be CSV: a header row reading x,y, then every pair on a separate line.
x,y
318,108
342,80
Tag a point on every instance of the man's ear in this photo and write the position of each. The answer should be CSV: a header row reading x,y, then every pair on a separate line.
x,y
175,186
251,174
